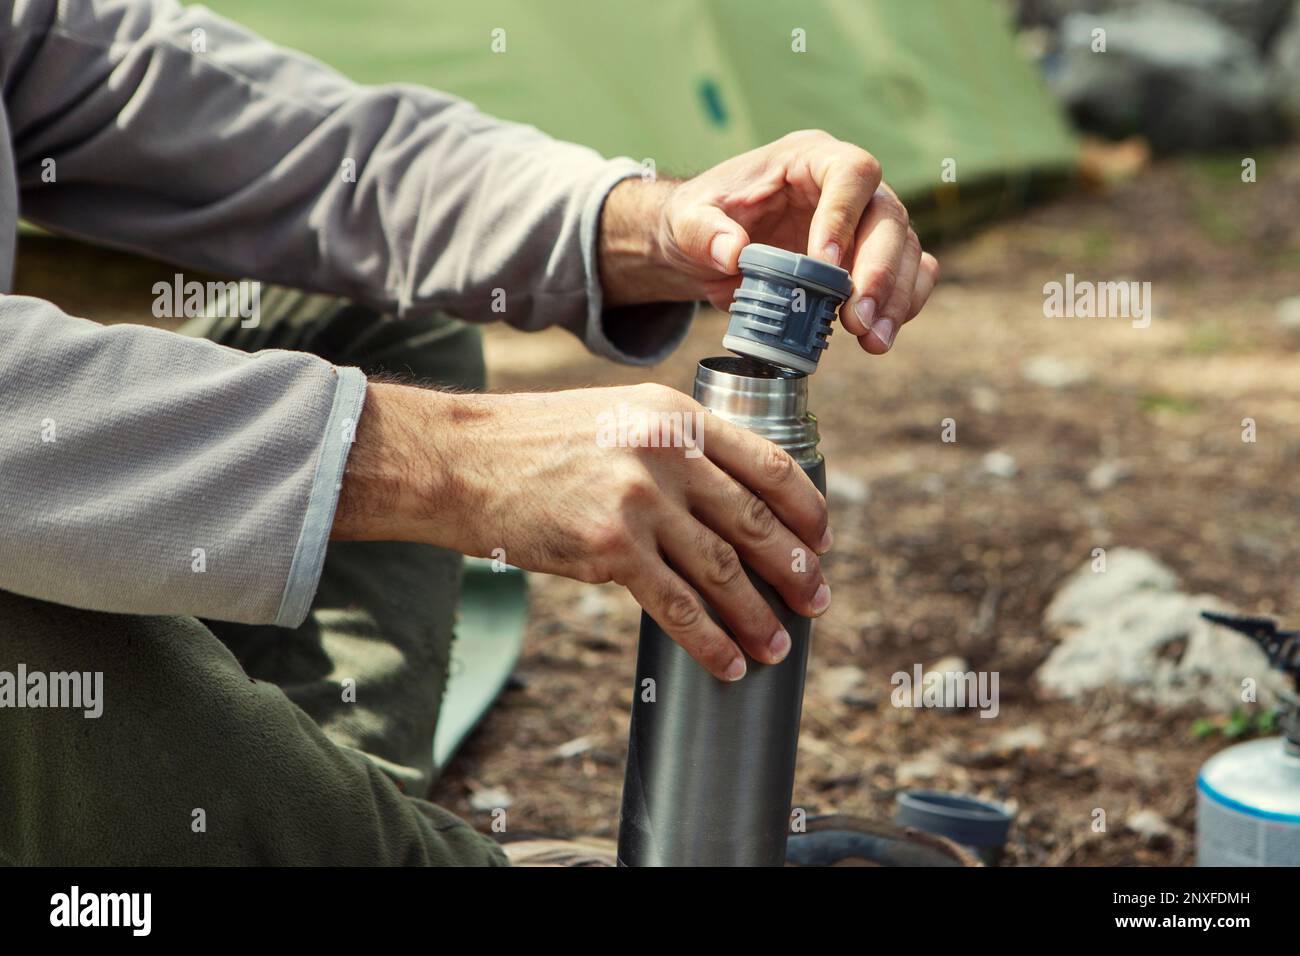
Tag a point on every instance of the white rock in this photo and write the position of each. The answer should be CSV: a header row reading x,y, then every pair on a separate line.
x,y
1000,464
1107,474
985,400
932,483
594,603
846,488
490,798
925,766
952,664
1154,646
1087,593
1028,737
847,683
574,747
1052,372
1149,825
1288,312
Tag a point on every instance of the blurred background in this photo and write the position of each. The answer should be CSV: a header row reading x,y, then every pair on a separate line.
x,y
1114,141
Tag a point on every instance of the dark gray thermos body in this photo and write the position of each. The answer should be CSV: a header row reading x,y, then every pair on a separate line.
x,y
710,768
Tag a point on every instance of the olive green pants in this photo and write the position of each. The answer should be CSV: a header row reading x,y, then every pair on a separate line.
x,y
230,744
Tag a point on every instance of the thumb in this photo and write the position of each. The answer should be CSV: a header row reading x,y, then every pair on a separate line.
x,y
709,237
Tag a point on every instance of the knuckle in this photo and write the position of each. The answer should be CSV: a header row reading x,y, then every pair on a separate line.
x,y
777,466
636,492
724,568
682,611
607,538
864,165
880,279
757,520
808,135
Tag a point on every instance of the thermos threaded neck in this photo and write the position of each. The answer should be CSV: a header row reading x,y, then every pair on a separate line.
x,y
768,401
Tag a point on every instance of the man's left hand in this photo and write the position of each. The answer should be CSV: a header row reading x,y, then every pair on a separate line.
x,y
807,192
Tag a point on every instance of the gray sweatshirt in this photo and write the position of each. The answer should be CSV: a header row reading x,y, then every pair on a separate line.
x,y
145,472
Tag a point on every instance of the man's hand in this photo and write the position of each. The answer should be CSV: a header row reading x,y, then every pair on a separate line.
x,y
807,192
530,475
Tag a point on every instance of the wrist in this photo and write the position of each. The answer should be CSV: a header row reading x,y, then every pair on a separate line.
x,y
635,266
400,484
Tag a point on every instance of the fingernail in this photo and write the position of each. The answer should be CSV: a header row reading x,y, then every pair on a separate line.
x,y
721,248
779,646
832,253
735,670
822,599
884,331
828,539
864,310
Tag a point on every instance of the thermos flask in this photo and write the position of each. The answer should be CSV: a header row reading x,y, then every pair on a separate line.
x,y
710,769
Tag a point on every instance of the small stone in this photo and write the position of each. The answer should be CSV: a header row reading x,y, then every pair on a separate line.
x,y
999,464
1149,825
846,684
952,664
985,400
1107,474
593,604
926,766
1288,313
488,799
1029,737
575,747
1055,373
932,483
846,488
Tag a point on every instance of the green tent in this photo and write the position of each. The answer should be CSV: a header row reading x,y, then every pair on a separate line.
x,y
926,85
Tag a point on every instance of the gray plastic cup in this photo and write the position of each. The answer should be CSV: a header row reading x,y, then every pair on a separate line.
x,y
978,824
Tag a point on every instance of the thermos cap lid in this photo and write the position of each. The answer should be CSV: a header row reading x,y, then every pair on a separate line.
x,y
962,819
801,269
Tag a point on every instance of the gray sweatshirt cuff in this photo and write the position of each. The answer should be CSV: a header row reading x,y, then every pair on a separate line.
x,y
631,334
309,556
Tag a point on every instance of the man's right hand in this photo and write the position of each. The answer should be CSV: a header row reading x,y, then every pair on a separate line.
x,y
527,477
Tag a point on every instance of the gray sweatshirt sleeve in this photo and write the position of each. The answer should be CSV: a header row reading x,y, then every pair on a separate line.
x,y
178,134
149,473
143,472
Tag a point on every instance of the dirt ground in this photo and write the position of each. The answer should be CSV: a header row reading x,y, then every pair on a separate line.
x,y
943,558
936,556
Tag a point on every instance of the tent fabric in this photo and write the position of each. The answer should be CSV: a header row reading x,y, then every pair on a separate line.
x,y
923,84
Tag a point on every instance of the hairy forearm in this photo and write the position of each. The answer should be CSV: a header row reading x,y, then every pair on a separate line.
x,y
634,267
400,484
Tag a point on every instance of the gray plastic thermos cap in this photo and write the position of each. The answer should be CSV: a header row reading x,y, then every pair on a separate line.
x,y
784,309
980,824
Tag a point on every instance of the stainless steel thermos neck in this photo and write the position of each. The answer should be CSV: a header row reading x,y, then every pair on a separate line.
x,y
710,769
